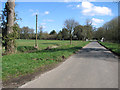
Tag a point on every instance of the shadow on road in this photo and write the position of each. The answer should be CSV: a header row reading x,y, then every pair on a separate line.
x,y
97,53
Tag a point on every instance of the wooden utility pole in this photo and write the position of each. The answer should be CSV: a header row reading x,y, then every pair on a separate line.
x,y
36,46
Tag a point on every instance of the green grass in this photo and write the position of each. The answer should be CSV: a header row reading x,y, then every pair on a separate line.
x,y
19,64
42,44
115,47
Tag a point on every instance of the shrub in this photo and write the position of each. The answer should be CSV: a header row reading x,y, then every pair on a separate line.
x,y
26,48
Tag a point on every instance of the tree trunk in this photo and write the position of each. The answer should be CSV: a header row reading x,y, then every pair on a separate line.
x,y
10,47
70,41
71,37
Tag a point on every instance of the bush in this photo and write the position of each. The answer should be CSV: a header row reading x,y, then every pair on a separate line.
x,y
26,48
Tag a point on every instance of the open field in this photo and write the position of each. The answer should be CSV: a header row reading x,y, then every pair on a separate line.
x,y
20,64
42,44
115,47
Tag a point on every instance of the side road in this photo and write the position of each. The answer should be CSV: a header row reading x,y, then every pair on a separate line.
x,y
93,67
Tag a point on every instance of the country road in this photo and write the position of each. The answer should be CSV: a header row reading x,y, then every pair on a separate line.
x,y
92,67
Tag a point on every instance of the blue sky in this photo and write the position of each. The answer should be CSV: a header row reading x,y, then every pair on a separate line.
x,y
51,15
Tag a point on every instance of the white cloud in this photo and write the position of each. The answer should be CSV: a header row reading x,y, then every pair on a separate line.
x,y
87,5
48,20
90,9
43,23
67,0
102,10
31,10
92,0
70,5
78,6
34,12
43,26
46,12
96,21
78,0
73,6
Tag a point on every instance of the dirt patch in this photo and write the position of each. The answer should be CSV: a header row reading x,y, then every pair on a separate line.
x,y
54,46
50,47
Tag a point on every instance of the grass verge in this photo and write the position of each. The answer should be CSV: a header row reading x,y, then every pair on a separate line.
x,y
114,47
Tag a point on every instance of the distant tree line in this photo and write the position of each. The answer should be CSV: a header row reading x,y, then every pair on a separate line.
x,y
73,31
110,31
64,34
79,32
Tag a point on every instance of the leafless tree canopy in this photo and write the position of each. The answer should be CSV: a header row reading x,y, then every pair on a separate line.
x,y
41,28
70,24
88,22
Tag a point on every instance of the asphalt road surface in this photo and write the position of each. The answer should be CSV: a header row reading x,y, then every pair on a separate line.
x,y
92,67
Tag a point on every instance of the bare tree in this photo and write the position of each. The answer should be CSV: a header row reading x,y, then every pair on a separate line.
x,y
40,28
70,24
88,28
10,5
88,22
